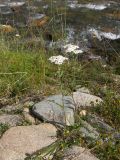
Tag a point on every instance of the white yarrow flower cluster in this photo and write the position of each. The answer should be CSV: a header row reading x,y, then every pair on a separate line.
x,y
58,59
72,48
17,35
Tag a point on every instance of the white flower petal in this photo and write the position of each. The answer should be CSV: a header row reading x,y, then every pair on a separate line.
x,y
58,59
72,48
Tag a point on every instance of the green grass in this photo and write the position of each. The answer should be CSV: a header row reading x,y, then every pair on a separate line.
x,y
110,110
108,151
3,128
21,71
25,70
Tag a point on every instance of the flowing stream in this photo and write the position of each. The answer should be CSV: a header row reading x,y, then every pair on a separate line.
x,y
79,20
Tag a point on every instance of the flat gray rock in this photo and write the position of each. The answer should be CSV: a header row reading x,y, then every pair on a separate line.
x,y
88,132
11,120
12,108
83,89
85,100
19,141
99,124
78,153
56,109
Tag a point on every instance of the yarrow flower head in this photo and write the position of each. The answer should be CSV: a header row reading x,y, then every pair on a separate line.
x,y
58,59
72,48
17,35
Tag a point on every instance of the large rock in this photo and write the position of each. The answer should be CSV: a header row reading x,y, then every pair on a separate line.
x,y
99,124
16,6
88,132
22,140
11,120
102,127
60,109
12,109
5,9
7,154
98,38
6,29
78,153
55,109
37,20
85,100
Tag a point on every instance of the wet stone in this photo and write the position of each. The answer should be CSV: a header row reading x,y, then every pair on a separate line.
x,y
37,20
16,4
5,10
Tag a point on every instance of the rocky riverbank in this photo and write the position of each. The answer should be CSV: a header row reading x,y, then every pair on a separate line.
x,y
40,122
59,80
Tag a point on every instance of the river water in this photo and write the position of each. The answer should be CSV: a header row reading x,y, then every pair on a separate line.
x,y
79,19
